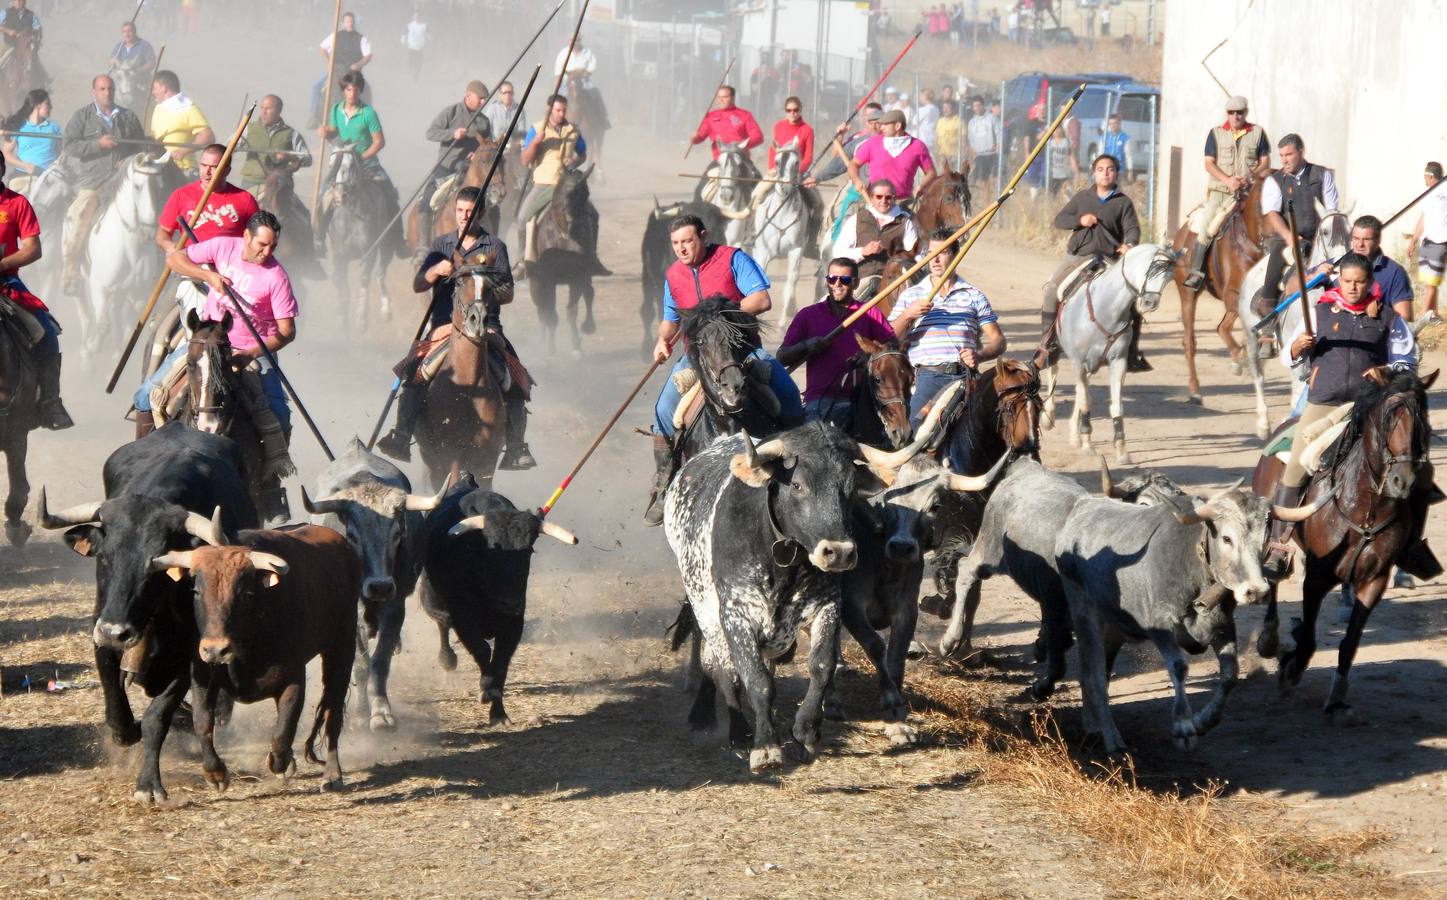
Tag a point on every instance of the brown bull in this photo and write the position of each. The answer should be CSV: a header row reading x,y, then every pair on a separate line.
x,y
264,609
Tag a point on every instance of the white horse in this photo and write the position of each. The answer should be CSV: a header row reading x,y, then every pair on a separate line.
x,y
723,188
1333,239
1094,328
121,263
781,224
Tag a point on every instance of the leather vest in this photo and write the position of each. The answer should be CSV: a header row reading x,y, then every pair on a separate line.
x,y
714,275
258,137
1347,345
548,169
1237,157
1306,189
348,50
866,229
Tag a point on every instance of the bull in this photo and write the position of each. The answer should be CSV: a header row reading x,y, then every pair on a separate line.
x,y
265,607
478,557
369,500
173,489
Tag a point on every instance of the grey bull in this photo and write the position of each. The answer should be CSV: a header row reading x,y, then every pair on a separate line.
x,y
370,501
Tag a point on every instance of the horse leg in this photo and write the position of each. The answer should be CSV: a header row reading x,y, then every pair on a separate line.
x,y
1337,710
584,287
1188,341
545,298
796,259
1117,408
1268,642
1293,663
1048,377
1224,329
1080,419
380,260
17,530
573,297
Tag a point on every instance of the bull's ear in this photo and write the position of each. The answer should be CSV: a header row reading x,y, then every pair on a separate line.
x,y
226,322
268,579
750,474
84,539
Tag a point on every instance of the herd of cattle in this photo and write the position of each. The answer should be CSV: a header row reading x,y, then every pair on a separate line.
x,y
808,528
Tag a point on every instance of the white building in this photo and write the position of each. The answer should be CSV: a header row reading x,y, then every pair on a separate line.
x,y
1362,83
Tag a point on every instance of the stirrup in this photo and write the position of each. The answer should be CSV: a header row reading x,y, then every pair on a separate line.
x,y
396,445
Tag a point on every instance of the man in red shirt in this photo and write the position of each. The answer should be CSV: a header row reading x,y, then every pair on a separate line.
x,y
227,211
20,246
728,124
793,128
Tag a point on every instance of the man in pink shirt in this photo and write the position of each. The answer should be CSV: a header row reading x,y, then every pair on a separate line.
x,y
829,374
728,124
894,155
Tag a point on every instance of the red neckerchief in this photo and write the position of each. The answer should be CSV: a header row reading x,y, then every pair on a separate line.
x,y
1334,296
1245,126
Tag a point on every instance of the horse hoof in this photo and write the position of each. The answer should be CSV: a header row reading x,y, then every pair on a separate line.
x,y
1122,457
1262,432
1195,399
382,721
447,659
1184,736
1341,715
589,326
763,758
901,735
1267,644
17,533
1237,368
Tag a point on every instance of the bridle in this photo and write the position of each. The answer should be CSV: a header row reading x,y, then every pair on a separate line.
x,y
193,387
1011,399
1387,458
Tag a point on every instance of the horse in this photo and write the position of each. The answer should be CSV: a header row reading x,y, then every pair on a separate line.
x,y
277,193
18,404
464,422
882,380
723,188
1372,486
657,253
1333,239
586,117
565,237
1094,329
442,221
358,212
120,261
1235,250
781,223
943,201
17,71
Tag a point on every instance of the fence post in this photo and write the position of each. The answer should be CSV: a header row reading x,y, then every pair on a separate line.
x,y
1151,171
1004,147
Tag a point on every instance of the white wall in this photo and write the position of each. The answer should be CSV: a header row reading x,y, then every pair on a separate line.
x,y
1362,83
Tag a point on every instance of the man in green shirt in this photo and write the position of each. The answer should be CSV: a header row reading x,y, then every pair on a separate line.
x,y
355,126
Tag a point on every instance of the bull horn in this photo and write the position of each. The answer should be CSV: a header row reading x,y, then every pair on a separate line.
x,y
977,483
206,530
80,514
417,503
174,559
1302,513
322,507
1107,486
657,207
740,216
1312,453
471,523
558,532
894,459
1202,513
268,562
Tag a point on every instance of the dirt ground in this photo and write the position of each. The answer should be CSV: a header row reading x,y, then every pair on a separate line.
x,y
597,786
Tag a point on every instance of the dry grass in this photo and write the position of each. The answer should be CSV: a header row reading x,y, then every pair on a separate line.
x,y
1188,842
938,63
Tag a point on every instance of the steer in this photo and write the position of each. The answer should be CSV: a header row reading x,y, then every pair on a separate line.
x,y
369,500
479,553
265,607
1132,573
161,492
762,536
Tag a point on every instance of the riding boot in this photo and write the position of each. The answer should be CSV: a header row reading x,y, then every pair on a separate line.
x,y
1197,276
52,412
145,423
272,508
1049,340
1277,564
1135,359
517,456
398,442
663,459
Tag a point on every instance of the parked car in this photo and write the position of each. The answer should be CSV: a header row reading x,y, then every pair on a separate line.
x,y
1133,101
1024,103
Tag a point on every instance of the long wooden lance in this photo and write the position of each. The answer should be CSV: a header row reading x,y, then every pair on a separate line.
x,y
147,142
721,82
150,97
137,14
326,118
573,42
1296,259
217,178
266,351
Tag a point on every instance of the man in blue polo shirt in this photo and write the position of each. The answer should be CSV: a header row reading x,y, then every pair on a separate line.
x,y
1387,273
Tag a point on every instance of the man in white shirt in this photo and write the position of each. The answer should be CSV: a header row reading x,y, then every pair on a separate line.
x,y
1429,239
925,118
353,52
582,65
878,230
1304,185
415,38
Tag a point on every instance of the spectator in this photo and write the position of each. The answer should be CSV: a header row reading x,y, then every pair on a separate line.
x,y
947,136
984,137
1117,144
415,37
1064,167
1105,22
1012,21
947,94
926,116
995,22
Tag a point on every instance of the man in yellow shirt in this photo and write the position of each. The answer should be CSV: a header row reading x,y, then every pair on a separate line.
x,y
178,120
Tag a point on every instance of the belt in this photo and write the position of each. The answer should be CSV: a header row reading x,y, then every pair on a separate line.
x,y
943,369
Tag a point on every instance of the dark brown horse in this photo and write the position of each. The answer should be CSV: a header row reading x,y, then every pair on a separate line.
x,y
17,418
1233,253
442,221
1376,482
943,201
464,424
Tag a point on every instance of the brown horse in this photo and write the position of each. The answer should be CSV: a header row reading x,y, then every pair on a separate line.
x,y
587,117
943,201
1374,490
881,396
464,423
17,418
17,72
442,222
1235,250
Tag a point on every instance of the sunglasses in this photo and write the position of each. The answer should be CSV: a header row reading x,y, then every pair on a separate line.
x,y
884,196
792,109
839,279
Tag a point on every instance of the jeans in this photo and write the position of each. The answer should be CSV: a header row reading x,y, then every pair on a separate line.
x,y
270,384
790,404
927,386
834,410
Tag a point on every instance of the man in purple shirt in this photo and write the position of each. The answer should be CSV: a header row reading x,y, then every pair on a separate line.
x,y
829,373
894,155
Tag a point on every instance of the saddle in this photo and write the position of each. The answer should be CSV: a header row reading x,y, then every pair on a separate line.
x,y
424,360
439,196
1086,271
1325,433
169,396
21,320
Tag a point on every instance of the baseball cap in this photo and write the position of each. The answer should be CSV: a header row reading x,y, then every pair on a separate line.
x,y
894,115
1236,104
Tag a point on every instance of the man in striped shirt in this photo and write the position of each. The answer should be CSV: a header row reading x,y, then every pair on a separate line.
x,y
955,331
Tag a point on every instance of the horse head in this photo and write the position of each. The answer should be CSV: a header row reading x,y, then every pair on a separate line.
x,y
720,336
944,200
786,163
1017,404
1146,269
469,311
1333,235
730,166
211,388
889,379
1390,414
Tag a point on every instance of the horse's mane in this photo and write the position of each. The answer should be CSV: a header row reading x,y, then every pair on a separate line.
x,y
1161,266
719,319
106,194
217,352
1369,396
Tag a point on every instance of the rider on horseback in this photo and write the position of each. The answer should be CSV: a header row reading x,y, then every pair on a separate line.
x,y
227,211
21,24
878,231
92,154
176,119
20,246
705,270
894,155
1304,185
582,65
1236,152
487,254
829,365
1356,330
552,147
456,129
793,128
1103,226
275,153
356,127
729,124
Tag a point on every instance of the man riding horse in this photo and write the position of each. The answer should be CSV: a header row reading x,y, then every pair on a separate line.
x,y
878,231
19,247
482,254
893,154
582,65
703,270
23,34
176,120
1308,188
457,130
552,147
355,126
226,213
275,153
1237,151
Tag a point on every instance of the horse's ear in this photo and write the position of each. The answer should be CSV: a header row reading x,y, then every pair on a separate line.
x,y
867,345
964,168
1378,375
945,166
193,321
1427,382
1040,360
226,321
